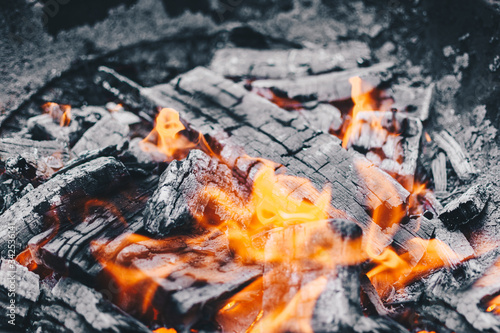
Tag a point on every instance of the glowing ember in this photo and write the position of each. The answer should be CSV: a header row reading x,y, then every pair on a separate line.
x,y
427,137
59,112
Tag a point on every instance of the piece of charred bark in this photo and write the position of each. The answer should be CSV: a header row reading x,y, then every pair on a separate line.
x,y
465,208
26,218
73,307
369,291
106,132
458,158
19,291
237,122
438,167
69,252
328,87
181,195
280,64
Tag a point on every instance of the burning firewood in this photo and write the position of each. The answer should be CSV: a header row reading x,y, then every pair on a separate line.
x,y
271,133
180,197
27,214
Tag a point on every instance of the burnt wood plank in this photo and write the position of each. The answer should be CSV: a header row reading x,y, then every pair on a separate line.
x,y
277,64
328,87
25,218
70,251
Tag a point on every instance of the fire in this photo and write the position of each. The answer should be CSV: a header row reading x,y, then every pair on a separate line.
x,y
494,305
165,330
363,101
427,137
168,140
61,113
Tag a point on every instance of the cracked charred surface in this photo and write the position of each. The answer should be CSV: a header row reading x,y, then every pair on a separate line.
x,y
179,196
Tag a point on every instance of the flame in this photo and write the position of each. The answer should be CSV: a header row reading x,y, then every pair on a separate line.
x,y
426,332
363,101
494,305
168,139
427,137
61,113
165,330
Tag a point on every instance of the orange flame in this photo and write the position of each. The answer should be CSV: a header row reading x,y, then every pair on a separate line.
x,y
427,137
165,330
494,305
168,140
362,102
61,113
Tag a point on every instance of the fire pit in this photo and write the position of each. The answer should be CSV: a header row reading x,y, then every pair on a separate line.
x,y
292,174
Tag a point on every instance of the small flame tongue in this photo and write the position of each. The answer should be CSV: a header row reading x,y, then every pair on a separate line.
x,y
61,113
168,141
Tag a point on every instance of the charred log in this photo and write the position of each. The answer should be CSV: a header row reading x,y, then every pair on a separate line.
x,y
180,195
25,218
277,64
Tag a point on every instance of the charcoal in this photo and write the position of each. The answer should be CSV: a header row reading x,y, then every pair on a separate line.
x,y
24,158
73,307
237,122
106,132
327,87
179,196
369,290
25,218
19,291
70,251
438,167
465,208
462,309
338,307
278,64
458,158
